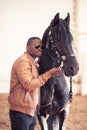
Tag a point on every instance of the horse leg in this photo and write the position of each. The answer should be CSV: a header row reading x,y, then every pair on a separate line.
x,y
43,121
63,116
53,122
58,121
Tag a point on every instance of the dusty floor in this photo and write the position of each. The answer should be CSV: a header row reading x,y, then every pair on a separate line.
x,y
77,118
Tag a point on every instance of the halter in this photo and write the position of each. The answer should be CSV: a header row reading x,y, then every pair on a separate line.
x,y
50,39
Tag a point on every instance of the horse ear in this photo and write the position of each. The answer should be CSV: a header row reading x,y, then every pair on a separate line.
x,y
55,20
67,19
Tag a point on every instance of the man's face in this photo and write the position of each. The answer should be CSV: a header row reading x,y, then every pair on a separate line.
x,y
35,48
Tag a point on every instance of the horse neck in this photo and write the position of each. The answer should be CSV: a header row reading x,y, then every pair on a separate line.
x,y
46,62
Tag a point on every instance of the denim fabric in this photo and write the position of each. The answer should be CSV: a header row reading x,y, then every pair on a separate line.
x,y
21,121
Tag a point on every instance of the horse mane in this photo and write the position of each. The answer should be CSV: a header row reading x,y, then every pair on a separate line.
x,y
45,35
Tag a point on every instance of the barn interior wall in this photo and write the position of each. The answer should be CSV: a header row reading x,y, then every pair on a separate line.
x,y
20,20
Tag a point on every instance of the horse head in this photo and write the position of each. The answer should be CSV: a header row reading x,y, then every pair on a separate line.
x,y
57,40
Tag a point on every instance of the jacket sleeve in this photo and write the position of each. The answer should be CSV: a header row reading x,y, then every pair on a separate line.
x,y
24,74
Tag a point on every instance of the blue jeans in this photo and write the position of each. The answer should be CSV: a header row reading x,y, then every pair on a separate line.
x,y
21,121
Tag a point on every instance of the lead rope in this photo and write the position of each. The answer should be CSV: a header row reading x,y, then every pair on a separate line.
x,y
70,93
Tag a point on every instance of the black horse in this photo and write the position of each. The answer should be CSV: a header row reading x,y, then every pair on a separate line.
x,y
55,97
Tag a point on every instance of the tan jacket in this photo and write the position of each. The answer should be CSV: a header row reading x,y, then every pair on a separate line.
x,y
25,85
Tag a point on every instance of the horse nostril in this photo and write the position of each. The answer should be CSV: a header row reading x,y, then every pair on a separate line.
x,y
72,69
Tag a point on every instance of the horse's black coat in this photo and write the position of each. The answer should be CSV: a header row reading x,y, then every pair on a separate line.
x,y
57,42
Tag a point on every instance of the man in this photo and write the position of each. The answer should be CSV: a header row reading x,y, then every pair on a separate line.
x,y
25,86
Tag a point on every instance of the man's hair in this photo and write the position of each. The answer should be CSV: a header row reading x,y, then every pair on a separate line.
x,y
31,39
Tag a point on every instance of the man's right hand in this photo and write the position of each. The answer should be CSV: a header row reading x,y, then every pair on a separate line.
x,y
55,71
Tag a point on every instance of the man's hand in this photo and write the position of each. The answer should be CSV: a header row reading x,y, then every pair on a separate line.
x,y
55,71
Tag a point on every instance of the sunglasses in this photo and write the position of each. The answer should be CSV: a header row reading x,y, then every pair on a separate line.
x,y
39,46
